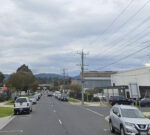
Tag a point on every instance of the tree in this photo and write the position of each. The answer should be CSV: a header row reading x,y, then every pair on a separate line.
x,y
75,88
22,80
35,85
2,77
24,68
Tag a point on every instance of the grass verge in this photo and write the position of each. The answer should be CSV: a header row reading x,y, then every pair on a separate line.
x,y
73,100
5,111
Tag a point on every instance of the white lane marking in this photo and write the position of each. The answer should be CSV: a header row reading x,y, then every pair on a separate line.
x,y
12,131
95,112
106,130
60,122
107,118
54,111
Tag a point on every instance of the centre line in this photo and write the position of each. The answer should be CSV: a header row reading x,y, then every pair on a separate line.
x,y
60,122
95,112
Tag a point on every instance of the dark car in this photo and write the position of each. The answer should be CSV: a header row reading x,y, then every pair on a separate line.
x,y
145,102
120,100
49,94
63,97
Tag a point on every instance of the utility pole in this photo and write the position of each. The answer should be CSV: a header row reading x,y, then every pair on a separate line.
x,y
82,73
64,78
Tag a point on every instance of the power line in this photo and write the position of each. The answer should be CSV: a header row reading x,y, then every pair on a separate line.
x,y
123,58
130,33
114,20
130,18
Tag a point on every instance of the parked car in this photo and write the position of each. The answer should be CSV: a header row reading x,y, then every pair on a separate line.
x,y
63,97
120,100
128,120
33,100
49,94
22,104
145,102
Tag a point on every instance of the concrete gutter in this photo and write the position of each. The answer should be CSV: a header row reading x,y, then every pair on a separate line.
x,y
5,121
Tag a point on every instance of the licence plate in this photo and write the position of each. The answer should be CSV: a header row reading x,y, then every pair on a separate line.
x,y
143,133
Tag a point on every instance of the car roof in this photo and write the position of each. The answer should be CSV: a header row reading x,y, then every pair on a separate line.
x,y
125,107
22,97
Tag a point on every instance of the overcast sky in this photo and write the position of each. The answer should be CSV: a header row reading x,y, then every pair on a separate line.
x,y
47,34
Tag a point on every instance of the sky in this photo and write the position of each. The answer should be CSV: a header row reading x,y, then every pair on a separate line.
x,y
47,35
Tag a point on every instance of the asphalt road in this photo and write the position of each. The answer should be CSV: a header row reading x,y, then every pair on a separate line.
x,y
52,117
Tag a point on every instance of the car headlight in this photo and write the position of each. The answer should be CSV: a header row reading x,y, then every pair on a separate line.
x,y
129,124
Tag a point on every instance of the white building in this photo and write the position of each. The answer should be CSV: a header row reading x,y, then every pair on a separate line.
x,y
136,82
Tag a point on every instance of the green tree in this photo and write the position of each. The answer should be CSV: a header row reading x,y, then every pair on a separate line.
x,y
22,80
35,85
2,77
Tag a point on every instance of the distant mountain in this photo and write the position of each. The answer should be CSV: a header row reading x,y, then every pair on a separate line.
x,y
6,76
76,77
48,75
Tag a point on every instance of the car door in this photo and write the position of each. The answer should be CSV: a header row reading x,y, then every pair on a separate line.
x,y
116,119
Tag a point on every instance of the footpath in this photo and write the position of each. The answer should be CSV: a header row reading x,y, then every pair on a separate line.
x,y
5,120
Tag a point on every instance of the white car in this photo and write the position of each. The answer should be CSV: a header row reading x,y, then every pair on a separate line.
x,y
128,120
22,104
33,100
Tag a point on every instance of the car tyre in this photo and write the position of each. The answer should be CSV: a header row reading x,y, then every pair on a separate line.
x,y
111,127
28,112
122,132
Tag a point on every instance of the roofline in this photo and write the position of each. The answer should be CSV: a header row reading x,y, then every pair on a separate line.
x,y
132,70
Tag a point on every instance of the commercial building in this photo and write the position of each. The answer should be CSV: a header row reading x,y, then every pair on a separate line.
x,y
133,83
95,79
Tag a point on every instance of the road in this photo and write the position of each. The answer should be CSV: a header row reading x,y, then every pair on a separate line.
x,y
52,117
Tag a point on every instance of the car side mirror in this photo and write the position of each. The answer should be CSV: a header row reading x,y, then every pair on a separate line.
x,y
118,115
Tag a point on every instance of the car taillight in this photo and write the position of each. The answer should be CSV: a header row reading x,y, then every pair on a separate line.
x,y
27,104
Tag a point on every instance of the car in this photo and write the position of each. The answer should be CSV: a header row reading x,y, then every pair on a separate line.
x,y
128,120
63,97
145,102
33,100
49,94
22,104
120,100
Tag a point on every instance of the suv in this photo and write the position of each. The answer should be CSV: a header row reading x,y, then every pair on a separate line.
x,y
120,100
22,104
128,120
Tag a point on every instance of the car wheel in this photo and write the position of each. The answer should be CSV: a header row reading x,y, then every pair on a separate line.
x,y
28,111
15,113
111,127
122,131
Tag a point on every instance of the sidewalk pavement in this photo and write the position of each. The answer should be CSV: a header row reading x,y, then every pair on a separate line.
x,y
3,104
98,104
4,121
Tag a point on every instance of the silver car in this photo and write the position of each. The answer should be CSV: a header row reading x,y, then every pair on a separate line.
x,y
128,120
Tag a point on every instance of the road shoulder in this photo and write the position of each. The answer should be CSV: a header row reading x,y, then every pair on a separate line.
x,y
5,121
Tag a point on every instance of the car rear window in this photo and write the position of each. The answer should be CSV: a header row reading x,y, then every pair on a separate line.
x,y
21,100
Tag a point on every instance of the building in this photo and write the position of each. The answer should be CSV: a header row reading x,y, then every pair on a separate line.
x,y
95,80
133,83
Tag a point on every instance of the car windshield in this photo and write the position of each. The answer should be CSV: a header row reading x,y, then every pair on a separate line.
x,y
21,100
131,113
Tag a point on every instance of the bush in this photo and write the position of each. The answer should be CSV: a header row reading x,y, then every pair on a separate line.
x,y
4,98
96,99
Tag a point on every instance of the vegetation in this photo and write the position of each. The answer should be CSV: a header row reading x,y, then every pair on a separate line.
x,y
22,80
5,111
1,79
73,100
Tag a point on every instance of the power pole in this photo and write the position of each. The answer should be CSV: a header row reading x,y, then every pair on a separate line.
x,y
82,73
64,78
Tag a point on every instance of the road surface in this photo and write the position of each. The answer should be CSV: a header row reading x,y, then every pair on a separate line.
x,y
52,117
